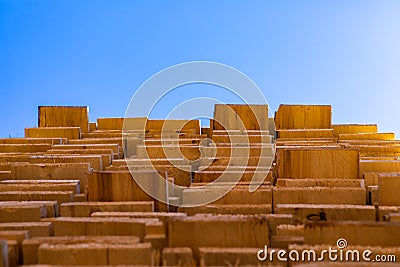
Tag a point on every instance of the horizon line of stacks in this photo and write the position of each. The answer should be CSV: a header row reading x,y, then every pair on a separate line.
x,y
67,196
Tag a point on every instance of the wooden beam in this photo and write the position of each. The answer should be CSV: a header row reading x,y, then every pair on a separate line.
x,y
310,162
54,132
64,116
353,128
240,117
305,133
303,117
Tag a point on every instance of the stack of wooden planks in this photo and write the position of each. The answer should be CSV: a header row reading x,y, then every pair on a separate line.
x,y
143,192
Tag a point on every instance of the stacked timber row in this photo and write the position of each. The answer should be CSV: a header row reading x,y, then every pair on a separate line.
x,y
68,196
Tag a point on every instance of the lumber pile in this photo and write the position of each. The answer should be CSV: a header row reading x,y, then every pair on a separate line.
x,y
144,192
331,173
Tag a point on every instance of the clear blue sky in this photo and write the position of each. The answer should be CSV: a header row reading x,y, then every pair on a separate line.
x,y
96,53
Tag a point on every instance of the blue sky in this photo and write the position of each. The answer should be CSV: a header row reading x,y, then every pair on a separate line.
x,y
97,53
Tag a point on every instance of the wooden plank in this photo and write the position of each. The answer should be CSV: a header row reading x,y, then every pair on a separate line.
x,y
190,126
189,133
384,211
217,168
161,169
250,230
240,139
170,141
290,230
13,253
322,212
39,187
367,136
64,116
119,162
320,183
317,163
262,195
113,147
377,150
34,228
379,166
147,162
190,152
372,195
51,141
110,123
388,189
371,178
59,196
80,197
206,131
22,213
238,185
130,146
126,124
277,219
92,126
181,256
6,167
88,254
282,242
209,176
18,237
5,175
180,174
371,142
138,254
382,234
31,246
234,209
85,209
305,146
117,149
120,186
99,160
96,254
378,158
53,132
96,141
153,227
319,195
353,128
95,161
58,171
307,141
240,117
107,155
80,226
242,132
264,150
51,206
393,217
73,184
102,134
305,133
220,256
162,216
4,253
303,117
